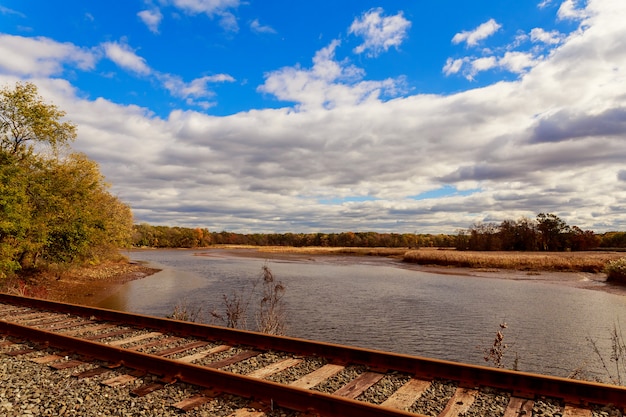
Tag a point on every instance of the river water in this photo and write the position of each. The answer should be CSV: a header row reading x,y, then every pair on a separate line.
x,y
385,304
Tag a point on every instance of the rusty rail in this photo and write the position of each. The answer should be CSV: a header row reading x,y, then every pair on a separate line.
x,y
520,384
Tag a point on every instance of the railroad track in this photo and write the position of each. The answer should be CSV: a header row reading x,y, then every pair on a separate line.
x,y
305,377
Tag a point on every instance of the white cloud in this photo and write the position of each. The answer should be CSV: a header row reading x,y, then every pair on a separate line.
x,y
212,8
553,37
550,141
569,11
126,58
7,11
41,56
453,66
257,27
196,89
328,84
473,37
379,32
209,7
151,18
517,62
544,3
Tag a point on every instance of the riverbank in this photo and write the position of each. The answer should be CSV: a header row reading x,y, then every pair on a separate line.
x,y
80,285
90,285
572,269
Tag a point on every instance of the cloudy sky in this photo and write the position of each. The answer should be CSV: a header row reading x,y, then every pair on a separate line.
x,y
326,116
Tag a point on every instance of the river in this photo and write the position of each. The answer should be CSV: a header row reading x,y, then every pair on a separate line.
x,y
384,304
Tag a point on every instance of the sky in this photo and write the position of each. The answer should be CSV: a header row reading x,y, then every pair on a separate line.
x,y
396,116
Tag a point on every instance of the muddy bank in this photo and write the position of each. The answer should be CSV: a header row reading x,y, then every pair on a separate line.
x,y
84,285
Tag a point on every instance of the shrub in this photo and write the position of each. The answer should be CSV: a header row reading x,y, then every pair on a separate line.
x,y
616,270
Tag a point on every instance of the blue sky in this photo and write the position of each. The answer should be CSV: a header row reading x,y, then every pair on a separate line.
x,y
397,116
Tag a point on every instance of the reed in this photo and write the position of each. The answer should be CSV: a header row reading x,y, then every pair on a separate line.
x,y
523,261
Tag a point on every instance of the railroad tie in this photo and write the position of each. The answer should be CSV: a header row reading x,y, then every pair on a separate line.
x,y
86,329
460,402
572,411
147,388
156,343
246,354
66,365
182,348
274,368
91,373
119,380
197,400
359,384
404,397
64,323
43,360
134,339
519,407
317,376
197,356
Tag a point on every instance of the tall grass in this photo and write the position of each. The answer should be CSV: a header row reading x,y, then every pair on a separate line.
x,y
523,261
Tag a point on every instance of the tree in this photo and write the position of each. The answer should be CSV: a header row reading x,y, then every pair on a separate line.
x,y
553,232
25,119
53,207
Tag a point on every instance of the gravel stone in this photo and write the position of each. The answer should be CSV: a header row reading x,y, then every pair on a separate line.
x,y
547,407
489,403
31,389
434,399
379,392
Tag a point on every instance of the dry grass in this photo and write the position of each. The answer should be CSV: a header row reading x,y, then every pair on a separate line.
x,y
317,250
523,261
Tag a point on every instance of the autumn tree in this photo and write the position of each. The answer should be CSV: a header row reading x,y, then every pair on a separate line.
x,y
54,206
26,120
553,232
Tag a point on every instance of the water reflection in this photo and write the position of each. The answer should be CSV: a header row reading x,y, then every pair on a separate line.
x,y
378,304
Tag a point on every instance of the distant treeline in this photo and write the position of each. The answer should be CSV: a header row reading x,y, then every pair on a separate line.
x,y
547,232
181,237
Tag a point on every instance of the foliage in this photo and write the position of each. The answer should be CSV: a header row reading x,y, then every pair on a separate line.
x,y
616,270
547,233
181,237
54,207
25,119
613,240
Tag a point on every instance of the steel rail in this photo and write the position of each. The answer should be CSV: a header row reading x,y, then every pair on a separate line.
x,y
297,399
522,384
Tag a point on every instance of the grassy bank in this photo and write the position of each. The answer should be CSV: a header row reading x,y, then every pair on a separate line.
x,y
522,261
317,250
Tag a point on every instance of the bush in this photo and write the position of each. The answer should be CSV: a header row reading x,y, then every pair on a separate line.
x,y
616,270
